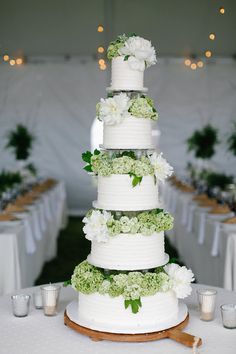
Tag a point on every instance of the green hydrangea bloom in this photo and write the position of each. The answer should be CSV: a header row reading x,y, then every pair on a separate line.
x,y
114,227
86,278
122,165
113,49
117,285
142,107
104,287
142,168
101,164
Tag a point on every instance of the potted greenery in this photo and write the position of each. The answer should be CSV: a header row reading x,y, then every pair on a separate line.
x,y
231,142
203,142
20,140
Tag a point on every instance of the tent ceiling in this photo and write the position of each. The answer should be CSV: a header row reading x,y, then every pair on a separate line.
x,y
58,27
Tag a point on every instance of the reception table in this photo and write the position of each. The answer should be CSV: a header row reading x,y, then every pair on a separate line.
x,y
26,244
204,242
37,334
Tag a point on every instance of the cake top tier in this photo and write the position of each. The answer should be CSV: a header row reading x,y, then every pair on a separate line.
x,y
137,51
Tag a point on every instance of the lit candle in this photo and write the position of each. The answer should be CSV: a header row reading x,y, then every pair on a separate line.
x,y
50,294
206,299
228,313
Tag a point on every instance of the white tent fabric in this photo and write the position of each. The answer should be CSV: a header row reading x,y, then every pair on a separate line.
x,y
57,102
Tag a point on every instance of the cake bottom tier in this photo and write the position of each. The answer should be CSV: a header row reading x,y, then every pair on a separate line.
x,y
104,313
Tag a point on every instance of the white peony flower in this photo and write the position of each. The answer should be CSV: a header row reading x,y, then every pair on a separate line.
x,y
141,49
162,168
113,110
180,278
136,64
96,226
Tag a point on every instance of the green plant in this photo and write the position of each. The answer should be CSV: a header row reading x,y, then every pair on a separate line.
x,y
221,180
8,179
203,142
20,140
232,140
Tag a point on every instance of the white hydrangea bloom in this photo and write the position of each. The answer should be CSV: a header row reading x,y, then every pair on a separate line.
x,y
113,110
181,279
136,64
141,49
162,168
96,226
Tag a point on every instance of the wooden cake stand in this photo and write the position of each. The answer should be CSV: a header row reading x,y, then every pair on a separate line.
x,y
174,333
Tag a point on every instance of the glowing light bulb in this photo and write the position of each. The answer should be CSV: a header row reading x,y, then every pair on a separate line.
x,y
193,66
103,67
100,28
101,61
101,49
200,64
6,57
187,62
222,10
19,61
12,62
208,53
212,36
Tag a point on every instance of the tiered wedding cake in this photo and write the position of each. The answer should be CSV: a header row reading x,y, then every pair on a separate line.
x,y
126,285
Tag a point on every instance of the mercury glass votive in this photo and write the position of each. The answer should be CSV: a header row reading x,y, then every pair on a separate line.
x,y
20,305
228,313
207,302
50,295
38,300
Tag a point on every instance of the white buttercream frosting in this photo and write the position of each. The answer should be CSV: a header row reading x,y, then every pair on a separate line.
x,y
123,77
104,311
131,133
117,193
129,252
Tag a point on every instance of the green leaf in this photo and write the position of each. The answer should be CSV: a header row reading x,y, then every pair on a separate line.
x,y
136,180
96,152
86,156
66,283
127,303
134,306
88,168
132,34
126,57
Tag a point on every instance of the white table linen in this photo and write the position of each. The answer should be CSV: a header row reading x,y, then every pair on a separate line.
x,y
201,239
27,244
37,334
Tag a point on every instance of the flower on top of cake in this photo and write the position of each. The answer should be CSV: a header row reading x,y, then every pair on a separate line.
x,y
101,224
138,51
113,110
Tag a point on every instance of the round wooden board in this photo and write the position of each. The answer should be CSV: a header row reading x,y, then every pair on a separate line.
x,y
173,333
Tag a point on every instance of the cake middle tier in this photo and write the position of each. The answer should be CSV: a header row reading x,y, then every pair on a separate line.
x,y
116,192
129,252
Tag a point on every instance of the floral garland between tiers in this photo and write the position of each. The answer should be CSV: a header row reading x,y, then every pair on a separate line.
x,y
88,279
105,164
100,225
113,110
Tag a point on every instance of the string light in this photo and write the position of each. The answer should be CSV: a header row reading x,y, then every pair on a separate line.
x,y
200,64
19,61
103,67
187,62
6,57
101,49
222,10
208,53
100,28
193,66
212,36
101,61
12,62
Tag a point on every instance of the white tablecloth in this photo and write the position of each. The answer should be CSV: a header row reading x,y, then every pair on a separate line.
x,y
201,239
37,334
26,244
